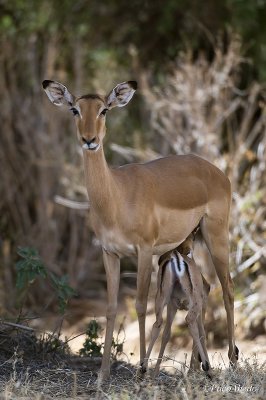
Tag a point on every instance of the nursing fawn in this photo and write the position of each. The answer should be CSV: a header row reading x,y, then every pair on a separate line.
x,y
181,286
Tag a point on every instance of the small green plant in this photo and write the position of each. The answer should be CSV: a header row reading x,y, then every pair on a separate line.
x,y
117,344
52,343
30,267
93,345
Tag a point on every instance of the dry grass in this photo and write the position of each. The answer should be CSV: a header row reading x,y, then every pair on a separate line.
x,y
77,379
29,370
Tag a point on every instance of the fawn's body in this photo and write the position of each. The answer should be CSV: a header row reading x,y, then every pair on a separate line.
x,y
180,286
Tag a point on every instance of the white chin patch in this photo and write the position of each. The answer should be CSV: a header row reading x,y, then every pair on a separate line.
x,y
92,146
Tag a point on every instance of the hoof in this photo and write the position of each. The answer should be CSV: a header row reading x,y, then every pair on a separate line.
x,y
143,368
209,375
206,366
141,372
234,358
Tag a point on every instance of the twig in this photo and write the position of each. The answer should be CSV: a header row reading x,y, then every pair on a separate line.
x,y
252,298
26,328
75,205
129,153
246,264
74,337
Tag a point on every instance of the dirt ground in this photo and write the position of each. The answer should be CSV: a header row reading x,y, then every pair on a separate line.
x,y
36,368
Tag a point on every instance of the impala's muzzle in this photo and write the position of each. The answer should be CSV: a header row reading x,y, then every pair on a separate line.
x,y
90,144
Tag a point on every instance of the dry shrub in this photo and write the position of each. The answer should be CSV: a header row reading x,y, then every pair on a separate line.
x,y
201,109
39,159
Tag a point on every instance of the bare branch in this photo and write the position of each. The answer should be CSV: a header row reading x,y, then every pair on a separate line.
x,y
19,326
75,205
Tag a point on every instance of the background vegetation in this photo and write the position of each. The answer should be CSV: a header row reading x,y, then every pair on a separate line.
x,y
201,74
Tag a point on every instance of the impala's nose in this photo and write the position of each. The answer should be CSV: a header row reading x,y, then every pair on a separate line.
x,y
90,144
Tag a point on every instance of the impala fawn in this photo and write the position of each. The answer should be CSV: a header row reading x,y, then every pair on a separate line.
x,y
181,286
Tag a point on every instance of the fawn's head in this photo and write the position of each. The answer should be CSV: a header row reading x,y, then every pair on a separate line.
x,y
90,110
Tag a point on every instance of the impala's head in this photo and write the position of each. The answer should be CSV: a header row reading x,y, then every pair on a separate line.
x,y
90,110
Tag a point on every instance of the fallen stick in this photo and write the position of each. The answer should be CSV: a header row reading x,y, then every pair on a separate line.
x,y
26,328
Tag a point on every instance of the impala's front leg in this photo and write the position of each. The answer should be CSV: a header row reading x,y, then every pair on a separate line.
x,y
143,284
112,269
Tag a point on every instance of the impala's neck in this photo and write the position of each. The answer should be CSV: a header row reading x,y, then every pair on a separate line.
x,y
100,183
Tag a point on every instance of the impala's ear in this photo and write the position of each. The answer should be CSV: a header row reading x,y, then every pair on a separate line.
x,y
121,94
57,93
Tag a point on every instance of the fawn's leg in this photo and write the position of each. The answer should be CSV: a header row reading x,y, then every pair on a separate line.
x,y
163,295
171,312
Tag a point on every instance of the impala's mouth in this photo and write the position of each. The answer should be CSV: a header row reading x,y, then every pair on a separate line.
x,y
91,146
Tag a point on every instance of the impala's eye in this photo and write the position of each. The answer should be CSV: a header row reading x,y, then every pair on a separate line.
x,y
104,112
74,110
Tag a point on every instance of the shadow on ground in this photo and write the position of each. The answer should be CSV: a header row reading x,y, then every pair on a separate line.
x,y
44,368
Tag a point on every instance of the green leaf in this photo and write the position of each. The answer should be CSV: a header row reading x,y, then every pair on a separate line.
x,y
30,267
64,291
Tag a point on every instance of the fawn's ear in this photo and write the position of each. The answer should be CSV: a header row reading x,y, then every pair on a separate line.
x,y
121,94
57,93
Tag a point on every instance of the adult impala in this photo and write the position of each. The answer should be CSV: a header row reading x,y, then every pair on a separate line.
x,y
146,209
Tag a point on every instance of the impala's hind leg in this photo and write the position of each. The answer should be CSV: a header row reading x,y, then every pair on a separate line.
x,y
195,357
215,233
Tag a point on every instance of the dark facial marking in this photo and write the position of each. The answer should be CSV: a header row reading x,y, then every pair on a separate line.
x,y
88,142
91,96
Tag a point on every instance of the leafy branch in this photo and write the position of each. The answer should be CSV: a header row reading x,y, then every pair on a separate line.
x,y
30,267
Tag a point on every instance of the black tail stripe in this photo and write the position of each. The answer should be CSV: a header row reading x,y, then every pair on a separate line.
x,y
178,264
